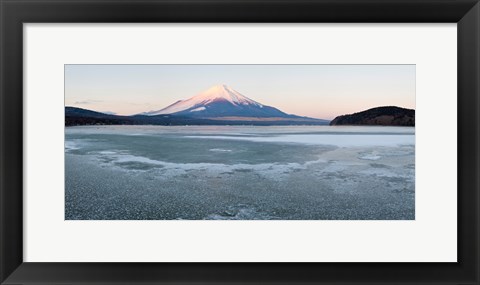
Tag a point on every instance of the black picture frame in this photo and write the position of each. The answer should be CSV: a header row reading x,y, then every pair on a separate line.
x,y
466,13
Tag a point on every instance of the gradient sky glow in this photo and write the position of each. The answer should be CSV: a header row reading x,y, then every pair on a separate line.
x,y
319,91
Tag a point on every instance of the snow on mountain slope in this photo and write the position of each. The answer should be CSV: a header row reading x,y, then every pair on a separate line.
x,y
217,93
198,109
221,102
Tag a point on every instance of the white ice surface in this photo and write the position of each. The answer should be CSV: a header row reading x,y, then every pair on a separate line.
x,y
324,139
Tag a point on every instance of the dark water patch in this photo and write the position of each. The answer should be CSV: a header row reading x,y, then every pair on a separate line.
x,y
396,180
243,170
379,165
134,165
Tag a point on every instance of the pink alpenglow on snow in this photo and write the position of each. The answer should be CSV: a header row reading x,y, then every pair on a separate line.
x,y
215,93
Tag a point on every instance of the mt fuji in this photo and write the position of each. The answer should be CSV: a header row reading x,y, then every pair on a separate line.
x,y
221,101
218,105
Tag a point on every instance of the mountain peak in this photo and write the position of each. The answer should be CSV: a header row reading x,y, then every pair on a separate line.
x,y
223,92
216,93
222,103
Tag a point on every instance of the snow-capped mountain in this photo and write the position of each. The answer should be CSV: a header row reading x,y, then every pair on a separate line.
x,y
219,105
220,101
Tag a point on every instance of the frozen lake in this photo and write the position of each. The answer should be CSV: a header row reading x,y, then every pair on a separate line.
x,y
239,173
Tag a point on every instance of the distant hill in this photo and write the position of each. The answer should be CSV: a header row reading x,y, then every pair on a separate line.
x,y
380,116
78,117
219,105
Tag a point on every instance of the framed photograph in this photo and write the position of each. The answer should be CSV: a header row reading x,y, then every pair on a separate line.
x,y
239,142
220,155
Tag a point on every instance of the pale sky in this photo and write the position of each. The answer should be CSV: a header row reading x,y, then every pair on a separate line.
x,y
318,91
